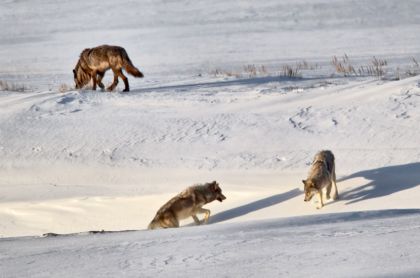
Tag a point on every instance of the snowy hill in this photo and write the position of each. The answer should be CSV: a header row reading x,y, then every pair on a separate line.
x,y
365,244
216,103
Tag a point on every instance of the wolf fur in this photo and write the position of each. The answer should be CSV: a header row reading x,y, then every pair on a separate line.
x,y
94,62
321,175
187,203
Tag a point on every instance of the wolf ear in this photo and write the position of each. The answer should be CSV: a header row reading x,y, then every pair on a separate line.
x,y
214,185
304,181
74,73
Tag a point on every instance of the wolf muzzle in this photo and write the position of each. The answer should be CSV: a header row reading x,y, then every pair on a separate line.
x,y
221,198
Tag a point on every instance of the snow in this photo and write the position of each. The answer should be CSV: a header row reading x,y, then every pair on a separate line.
x,y
365,244
77,161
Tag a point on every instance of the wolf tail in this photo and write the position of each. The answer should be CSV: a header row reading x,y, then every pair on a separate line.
x,y
131,69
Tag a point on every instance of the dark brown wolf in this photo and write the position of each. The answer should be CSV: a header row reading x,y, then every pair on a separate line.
x,y
187,203
321,175
94,62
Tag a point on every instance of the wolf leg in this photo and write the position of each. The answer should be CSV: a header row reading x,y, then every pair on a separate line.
x,y
115,83
321,204
125,79
94,80
196,220
329,186
99,80
169,220
174,223
335,185
206,216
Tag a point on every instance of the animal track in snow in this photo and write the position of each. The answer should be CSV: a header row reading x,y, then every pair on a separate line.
x,y
299,119
314,120
37,149
403,103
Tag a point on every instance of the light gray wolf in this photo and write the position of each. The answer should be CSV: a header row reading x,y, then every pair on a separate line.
x,y
187,203
321,175
94,62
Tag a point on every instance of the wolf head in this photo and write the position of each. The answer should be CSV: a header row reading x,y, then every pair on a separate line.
x,y
76,81
310,189
80,75
217,191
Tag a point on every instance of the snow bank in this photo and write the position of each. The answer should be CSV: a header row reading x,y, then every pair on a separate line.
x,y
365,244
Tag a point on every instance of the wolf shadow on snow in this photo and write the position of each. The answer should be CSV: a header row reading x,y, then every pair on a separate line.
x,y
382,182
254,206
252,81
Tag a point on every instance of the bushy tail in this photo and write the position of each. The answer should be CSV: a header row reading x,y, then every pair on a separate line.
x,y
131,69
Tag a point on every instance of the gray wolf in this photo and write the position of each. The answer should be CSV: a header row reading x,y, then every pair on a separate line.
x,y
187,203
321,175
94,62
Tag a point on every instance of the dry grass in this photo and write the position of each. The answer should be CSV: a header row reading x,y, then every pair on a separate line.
x,y
254,71
416,64
342,65
250,70
12,87
375,67
296,70
414,69
290,71
63,88
224,73
304,65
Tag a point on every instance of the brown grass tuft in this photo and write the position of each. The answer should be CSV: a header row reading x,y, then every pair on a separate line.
x,y
64,88
375,67
12,87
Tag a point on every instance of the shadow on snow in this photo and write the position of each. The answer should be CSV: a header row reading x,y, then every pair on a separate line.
x,y
382,182
223,83
254,206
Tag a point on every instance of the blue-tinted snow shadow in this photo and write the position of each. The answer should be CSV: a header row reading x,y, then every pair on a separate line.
x,y
254,206
223,83
382,182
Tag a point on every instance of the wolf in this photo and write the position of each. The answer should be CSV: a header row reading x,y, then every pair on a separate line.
x,y
321,175
187,203
94,62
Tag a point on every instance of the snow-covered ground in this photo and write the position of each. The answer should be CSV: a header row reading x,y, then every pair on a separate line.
x,y
364,244
76,161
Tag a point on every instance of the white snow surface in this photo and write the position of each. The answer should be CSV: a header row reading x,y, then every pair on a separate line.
x,y
74,161
364,244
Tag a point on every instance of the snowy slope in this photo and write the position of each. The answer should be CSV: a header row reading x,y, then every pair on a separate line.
x,y
368,244
168,39
85,154
75,161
